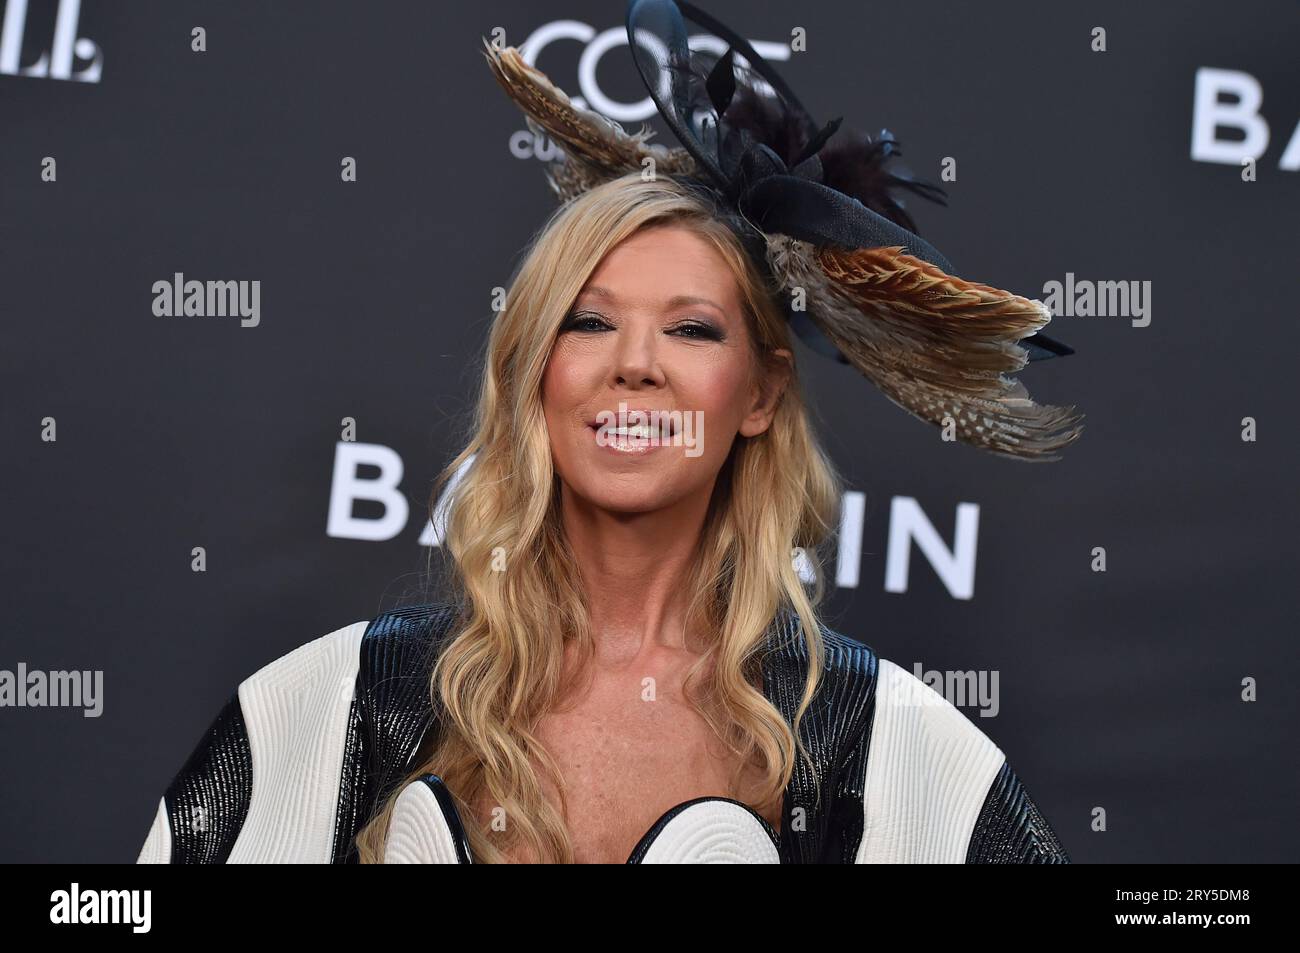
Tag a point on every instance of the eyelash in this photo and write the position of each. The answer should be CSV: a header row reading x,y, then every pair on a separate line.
x,y
703,332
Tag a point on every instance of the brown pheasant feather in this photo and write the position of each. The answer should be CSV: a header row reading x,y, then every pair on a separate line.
x,y
936,345
596,148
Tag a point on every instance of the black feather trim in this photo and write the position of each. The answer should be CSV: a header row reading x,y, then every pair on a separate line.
x,y
852,162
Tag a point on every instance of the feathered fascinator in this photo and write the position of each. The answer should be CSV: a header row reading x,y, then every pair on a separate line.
x,y
822,216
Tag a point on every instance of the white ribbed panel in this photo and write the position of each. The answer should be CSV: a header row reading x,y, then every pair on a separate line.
x,y
419,833
713,832
157,847
296,711
928,772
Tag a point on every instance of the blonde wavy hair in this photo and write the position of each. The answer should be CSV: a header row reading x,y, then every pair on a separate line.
x,y
502,666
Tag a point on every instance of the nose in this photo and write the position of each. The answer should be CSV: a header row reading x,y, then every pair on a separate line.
x,y
636,360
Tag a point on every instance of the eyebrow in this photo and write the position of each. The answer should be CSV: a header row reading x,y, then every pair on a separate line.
x,y
673,302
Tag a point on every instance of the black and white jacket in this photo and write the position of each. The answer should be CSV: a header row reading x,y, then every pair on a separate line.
x,y
294,763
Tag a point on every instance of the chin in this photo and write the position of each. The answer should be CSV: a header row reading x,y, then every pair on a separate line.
x,y
638,496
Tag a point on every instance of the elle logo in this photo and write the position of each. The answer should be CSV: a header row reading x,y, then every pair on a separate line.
x,y
56,62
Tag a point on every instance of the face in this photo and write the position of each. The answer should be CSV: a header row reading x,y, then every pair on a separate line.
x,y
659,327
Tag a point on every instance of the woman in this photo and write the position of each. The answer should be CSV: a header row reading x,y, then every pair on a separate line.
x,y
629,666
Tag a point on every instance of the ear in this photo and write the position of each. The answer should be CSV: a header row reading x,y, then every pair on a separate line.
x,y
767,391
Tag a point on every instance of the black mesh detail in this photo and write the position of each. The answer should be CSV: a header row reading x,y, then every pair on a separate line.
x,y
391,711
207,801
1010,828
352,788
835,730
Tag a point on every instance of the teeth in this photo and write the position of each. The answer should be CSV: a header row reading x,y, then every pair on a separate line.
x,y
642,431
653,428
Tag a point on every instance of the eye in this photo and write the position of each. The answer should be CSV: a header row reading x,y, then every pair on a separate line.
x,y
583,321
698,331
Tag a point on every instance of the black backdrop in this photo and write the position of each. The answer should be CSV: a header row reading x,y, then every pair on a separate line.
x,y
1119,690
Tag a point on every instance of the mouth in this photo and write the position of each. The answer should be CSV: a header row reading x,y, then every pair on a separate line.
x,y
652,431
653,426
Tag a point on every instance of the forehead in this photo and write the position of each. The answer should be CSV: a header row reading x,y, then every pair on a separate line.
x,y
661,264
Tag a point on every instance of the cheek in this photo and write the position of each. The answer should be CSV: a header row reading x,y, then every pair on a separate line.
x,y
566,394
722,393
561,383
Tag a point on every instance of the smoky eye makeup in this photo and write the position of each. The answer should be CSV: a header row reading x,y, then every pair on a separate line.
x,y
581,319
698,330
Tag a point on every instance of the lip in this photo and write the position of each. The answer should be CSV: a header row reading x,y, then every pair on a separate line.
x,y
625,450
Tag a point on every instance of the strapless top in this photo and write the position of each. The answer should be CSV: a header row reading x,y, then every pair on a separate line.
x,y
294,764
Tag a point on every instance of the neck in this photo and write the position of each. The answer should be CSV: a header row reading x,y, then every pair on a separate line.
x,y
635,568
